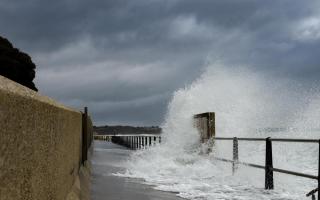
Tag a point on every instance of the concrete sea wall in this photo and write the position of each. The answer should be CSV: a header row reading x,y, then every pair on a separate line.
x,y
40,146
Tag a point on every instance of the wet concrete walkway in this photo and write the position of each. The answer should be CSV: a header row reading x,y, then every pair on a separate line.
x,y
108,158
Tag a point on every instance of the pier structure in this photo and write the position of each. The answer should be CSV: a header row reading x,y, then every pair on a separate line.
x,y
132,141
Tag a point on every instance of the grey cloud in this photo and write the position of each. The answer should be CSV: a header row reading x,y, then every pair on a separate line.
x,y
147,110
112,54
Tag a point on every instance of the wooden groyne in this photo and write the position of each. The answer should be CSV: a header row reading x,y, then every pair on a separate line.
x,y
205,123
132,141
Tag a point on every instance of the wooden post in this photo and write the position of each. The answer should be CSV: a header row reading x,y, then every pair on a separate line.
x,y
127,142
84,135
140,142
135,142
319,172
235,155
212,124
268,165
145,141
149,141
205,123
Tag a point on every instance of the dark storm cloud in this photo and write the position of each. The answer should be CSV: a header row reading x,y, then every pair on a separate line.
x,y
125,58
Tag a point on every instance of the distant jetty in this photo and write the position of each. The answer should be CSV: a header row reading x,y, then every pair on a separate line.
x,y
103,130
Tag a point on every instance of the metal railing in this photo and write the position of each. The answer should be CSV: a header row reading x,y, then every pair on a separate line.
x,y
144,141
87,135
268,167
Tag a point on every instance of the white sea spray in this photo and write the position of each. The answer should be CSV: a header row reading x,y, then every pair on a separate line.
x,y
247,104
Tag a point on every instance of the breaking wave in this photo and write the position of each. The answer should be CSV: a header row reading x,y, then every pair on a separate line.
x,y
247,104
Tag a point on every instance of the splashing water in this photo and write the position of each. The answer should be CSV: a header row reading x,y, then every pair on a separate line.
x,y
246,104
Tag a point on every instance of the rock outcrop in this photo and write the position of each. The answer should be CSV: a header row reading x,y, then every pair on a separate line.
x,y
16,65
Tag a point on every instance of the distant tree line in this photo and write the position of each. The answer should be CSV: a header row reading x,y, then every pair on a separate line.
x,y
127,130
16,65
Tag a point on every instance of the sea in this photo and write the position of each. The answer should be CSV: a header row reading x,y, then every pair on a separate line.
x,y
247,103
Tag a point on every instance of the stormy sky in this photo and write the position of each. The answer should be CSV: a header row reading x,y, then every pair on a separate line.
x,y
125,58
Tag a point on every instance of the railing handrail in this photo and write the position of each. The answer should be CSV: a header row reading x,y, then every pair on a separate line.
x,y
271,168
271,139
268,167
138,141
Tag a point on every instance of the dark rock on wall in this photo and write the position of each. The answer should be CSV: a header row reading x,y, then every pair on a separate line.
x,y
16,65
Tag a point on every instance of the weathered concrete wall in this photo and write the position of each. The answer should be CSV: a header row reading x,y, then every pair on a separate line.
x,y
40,145
81,187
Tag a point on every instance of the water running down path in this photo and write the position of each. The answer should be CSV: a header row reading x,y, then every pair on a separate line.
x,y
108,158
